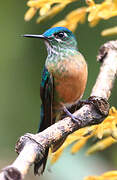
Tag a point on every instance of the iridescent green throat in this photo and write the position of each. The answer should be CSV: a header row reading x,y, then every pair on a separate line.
x,y
59,51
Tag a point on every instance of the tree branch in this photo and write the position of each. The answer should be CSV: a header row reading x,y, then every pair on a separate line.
x,y
31,146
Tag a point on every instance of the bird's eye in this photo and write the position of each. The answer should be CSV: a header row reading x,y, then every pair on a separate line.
x,y
60,35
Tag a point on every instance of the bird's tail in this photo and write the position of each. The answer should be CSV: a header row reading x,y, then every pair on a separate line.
x,y
45,121
39,167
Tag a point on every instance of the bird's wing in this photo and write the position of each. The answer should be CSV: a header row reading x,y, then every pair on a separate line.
x,y
46,93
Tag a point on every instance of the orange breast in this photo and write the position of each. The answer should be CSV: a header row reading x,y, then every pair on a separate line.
x,y
70,81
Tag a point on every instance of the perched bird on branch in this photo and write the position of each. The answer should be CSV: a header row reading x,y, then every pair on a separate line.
x,y
63,80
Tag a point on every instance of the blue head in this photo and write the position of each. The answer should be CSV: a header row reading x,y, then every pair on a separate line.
x,y
57,38
53,32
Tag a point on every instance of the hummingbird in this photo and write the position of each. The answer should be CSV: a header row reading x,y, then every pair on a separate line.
x,y
63,82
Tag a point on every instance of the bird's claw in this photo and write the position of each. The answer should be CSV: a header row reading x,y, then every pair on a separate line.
x,y
74,118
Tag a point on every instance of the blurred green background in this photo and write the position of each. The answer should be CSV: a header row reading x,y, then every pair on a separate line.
x,y
21,62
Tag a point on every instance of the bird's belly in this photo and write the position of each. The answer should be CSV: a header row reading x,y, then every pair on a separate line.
x,y
70,88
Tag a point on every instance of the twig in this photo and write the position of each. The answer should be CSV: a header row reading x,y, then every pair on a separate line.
x,y
32,146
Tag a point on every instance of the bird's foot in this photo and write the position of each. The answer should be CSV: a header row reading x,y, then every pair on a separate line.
x,y
74,119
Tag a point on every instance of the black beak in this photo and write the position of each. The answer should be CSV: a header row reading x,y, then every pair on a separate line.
x,y
34,36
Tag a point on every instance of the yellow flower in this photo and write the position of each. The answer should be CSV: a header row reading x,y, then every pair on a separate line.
x,y
46,8
109,31
72,19
95,11
111,175
107,129
30,13
54,10
101,145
